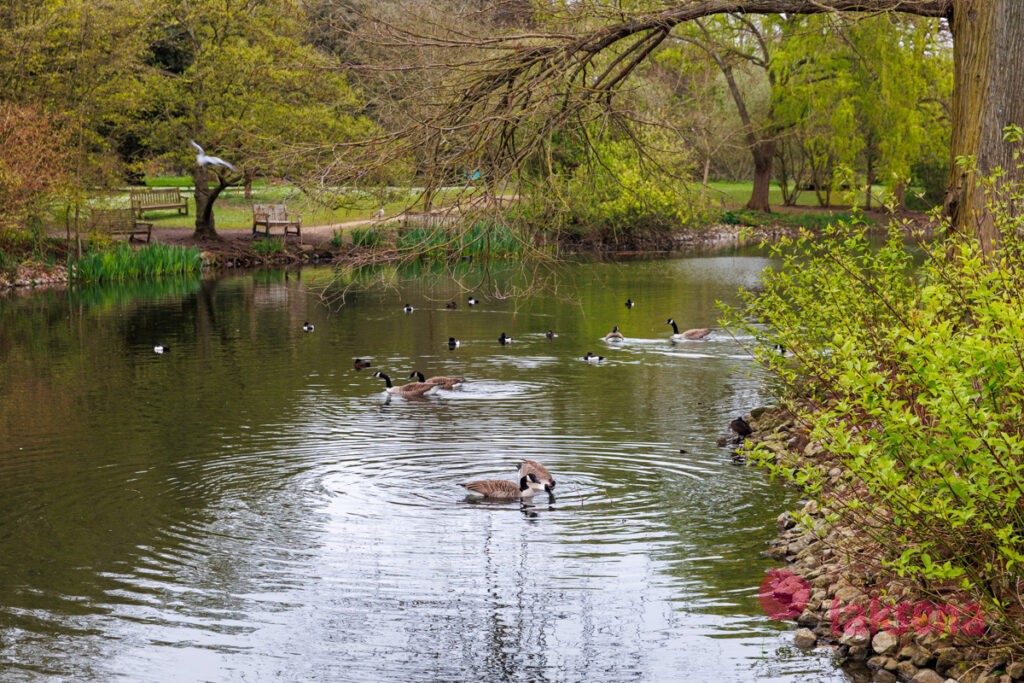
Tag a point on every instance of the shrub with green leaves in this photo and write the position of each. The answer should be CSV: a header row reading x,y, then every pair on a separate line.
x,y
913,378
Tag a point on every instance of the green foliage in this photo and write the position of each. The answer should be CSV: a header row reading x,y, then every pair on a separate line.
x,y
267,247
123,262
368,237
913,378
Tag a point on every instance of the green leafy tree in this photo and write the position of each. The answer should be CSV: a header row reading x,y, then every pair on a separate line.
x,y
78,62
238,79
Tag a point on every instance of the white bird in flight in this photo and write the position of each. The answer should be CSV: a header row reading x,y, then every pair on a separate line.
x,y
203,160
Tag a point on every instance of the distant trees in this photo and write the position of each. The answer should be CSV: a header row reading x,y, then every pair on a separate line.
x,y
510,92
135,80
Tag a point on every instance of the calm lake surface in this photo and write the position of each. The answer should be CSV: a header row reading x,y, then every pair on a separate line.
x,y
249,507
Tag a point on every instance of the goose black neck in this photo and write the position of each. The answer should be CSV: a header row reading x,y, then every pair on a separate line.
x,y
386,379
675,328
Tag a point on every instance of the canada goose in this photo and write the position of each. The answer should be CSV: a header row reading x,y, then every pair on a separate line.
x,y
443,382
695,333
502,488
473,301
544,478
504,339
451,305
453,343
410,390
160,348
630,303
408,308
361,364
741,427
550,334
307,326
591,358
614,335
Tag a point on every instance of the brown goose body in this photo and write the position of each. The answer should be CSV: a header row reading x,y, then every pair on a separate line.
x,y
410,390
441,381
691,334
544,479
502,488
614,335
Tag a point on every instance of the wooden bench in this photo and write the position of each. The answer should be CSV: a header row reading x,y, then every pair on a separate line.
x,y
119,222
155,199
275,216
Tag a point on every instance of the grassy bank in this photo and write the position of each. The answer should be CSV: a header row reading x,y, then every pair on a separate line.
x,y
233,210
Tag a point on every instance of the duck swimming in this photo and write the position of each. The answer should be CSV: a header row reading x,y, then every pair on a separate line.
x,y
695,333
502,488
442,381
614,335
411,390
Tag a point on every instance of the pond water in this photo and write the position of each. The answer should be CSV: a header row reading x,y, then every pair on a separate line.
x,y
249,506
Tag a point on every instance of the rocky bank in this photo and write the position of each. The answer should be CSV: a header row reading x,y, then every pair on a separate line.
x,y
840,597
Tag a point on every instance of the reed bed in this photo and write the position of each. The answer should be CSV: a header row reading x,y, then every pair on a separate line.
x,y
123,262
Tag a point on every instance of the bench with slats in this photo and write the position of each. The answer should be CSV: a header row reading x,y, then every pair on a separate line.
x,y
268,216
158,199
119,222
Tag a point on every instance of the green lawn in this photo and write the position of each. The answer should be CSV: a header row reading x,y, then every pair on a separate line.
x,y
737,194
234,211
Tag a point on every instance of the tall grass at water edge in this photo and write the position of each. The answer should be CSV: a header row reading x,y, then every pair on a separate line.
x,y
123,262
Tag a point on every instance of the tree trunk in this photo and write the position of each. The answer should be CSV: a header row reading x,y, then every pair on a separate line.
x,y
205,199
988,95
764,155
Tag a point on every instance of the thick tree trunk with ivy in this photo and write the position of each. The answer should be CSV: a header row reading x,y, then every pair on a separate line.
x,y
206,196
988,96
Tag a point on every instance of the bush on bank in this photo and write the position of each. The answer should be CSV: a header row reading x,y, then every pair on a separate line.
x,y
913,377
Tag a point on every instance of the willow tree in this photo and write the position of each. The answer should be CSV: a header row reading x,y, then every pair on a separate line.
x,y
507,93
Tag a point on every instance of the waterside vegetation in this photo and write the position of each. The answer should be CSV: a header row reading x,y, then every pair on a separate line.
x,y
911,380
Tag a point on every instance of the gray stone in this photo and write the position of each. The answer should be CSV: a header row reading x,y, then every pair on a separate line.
x,y
854,638
906,670
883,676
805,639
858,653
946,658
927,676
785,521
877,662
848,594
885,642
808,618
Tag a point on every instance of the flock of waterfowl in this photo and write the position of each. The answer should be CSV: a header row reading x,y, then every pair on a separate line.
x,y
532,476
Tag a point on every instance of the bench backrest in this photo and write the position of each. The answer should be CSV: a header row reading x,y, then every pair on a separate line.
x,y
112,220
269,212
150,197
